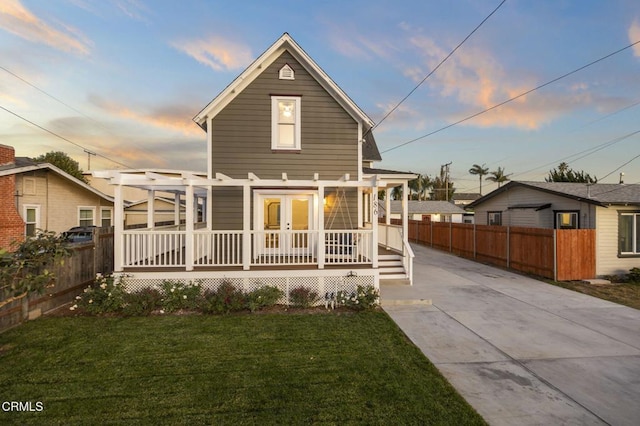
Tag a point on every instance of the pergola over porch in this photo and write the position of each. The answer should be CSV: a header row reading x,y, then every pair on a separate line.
x,y
195,245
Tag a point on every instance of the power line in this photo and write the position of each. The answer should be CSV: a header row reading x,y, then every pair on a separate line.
x,y
67,105
512,99
62,137
435,69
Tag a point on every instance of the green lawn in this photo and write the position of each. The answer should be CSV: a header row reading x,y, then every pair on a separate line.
x,y
623,293
238,369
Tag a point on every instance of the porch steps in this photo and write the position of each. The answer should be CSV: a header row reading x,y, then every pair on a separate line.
x,y
391,268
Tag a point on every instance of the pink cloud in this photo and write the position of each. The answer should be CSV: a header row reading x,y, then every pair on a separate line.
x,y
173,118
217,53
18,20
634,36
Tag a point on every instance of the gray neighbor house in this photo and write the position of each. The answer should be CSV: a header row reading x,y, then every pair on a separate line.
x,y
289,197
612,210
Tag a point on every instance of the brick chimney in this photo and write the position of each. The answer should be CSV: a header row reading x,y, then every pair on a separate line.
x,y
11,224
7,155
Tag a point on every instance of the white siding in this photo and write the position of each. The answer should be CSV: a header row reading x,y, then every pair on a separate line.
x,y
607,260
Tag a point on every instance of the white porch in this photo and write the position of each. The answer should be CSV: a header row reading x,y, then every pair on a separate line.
x,y
193,249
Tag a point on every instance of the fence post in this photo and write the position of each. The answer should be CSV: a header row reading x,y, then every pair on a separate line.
x,y
508,247
450,237
431,233
555,255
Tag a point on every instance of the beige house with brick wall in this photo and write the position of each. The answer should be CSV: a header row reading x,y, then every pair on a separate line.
x,y
42,196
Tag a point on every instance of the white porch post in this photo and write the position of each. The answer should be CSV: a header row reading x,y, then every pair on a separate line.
x,y
374,223
118,228
151,197
387,206
209,217
405,212
246,227
189,228
176,209
321,234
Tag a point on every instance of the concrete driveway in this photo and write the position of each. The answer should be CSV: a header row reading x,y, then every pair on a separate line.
x,y
520,351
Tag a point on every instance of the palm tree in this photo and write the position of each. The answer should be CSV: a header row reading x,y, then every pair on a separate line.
x,y
499,177
418,187
480,171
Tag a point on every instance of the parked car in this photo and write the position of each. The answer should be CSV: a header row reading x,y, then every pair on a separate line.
x,y
80,234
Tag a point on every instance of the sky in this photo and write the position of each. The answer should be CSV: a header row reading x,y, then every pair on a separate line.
x,y
124,78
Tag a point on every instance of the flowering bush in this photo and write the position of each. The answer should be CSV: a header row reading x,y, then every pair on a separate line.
x,y
226,298
262,297
303,297
178,295
142,302
363,298
106,295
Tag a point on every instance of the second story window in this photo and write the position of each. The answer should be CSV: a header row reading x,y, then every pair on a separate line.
x,y
285,122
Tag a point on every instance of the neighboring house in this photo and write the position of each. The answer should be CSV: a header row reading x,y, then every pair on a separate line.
x,y
613,210
164,213
435,211
45,197
290,194
136,213
465,198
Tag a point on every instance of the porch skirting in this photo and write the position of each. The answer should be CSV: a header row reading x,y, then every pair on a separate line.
x,y
323,282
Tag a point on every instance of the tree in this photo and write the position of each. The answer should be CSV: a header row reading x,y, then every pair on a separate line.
x,y
419,187
24,271
563,173
442,187
63,162
499,177
396,193
480,171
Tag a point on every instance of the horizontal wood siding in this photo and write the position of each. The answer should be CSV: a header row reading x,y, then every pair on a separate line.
x,y
227,209
576,253
530,217
608,260
242,131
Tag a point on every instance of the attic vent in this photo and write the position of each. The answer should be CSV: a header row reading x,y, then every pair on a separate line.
x,y
286,73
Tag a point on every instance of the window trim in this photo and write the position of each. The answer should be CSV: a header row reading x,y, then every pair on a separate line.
x,y
35,207
275,134
498,213
635,241
556,222
106,209
93,214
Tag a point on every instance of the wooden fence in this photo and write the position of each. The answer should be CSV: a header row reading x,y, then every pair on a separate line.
x,y
563,255
77,272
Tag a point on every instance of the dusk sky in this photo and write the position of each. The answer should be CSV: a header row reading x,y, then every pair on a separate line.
x,y
124,78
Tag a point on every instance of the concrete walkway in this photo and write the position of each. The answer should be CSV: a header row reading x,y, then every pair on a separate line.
x,y
520,351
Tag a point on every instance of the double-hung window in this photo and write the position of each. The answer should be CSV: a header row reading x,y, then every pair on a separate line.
x,y
629,233
31,220
105,217
285,123
86,216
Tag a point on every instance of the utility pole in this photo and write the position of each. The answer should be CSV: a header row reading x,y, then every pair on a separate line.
x,y
446,179
89,154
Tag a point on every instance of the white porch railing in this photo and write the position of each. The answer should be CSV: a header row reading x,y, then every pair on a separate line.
x,y
166,247
390,236
143,248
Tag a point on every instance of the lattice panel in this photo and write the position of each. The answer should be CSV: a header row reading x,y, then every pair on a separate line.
x,y
321,285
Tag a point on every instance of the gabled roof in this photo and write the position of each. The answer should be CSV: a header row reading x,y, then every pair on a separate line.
x,y
370,150
601,194
424,207
284,43
24,165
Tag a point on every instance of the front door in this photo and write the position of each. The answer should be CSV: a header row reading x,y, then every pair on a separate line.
x,y
286,220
